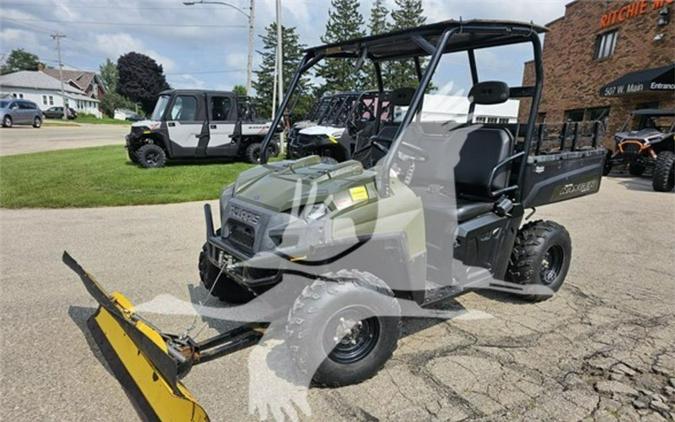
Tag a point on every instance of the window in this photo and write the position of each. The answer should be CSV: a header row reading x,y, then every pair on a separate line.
x,y
574,115
51,100
184,109
44,100
597,113
220,108
605,44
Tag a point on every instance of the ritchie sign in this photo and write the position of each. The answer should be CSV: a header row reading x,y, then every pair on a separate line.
x,y
631,10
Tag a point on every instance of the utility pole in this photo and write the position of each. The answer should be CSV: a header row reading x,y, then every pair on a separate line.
x,y
280,75
251,34
57,36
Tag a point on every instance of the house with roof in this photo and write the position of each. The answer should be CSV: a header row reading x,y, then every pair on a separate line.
x,y
45,91
88,82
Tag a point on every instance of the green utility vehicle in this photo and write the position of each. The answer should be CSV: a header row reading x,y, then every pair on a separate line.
x,y
337,254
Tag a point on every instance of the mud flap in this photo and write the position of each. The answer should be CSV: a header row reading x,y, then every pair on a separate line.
x,y
138,356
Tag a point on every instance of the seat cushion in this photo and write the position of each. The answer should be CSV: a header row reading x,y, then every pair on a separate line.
x,y
467,210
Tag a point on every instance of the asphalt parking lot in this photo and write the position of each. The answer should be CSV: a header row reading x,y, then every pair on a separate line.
x,y
26,139
602,349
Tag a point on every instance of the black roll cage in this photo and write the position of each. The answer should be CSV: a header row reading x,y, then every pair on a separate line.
x,y
516,33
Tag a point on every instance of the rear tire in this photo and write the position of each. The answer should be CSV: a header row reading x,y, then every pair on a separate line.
x,y
636,169
359,313
227,290
7,121
151,156
664,172
541,256
253,152
37,123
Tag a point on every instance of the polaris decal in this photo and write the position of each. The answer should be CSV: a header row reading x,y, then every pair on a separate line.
x,y
571,190
244,216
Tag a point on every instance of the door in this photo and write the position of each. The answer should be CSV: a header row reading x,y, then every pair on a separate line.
x,y
184,125
222,123
25,112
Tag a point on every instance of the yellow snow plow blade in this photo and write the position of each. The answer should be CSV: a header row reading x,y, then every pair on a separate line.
x,y
139,356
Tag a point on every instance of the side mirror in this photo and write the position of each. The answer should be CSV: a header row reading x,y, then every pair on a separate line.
x,y
489,92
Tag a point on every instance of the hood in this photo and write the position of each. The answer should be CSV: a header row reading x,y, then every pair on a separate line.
x,y
323,130
274,186
150,124
650,135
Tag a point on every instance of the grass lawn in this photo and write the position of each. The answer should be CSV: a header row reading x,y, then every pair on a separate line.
x,y
88,118
103,176
85,118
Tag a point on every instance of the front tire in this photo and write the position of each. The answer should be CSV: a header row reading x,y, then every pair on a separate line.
x,y
37,123
7,121
227,290
151,156
607,167
343,332
664,172
541,256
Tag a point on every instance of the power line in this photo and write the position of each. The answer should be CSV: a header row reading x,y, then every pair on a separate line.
x,y
202,72
140,24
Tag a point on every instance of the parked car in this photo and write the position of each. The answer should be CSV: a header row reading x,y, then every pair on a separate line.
x,y
57,113
197,124
21,112
647,140
128,115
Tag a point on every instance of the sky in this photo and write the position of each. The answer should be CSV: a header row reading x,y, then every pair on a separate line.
x,y
205,46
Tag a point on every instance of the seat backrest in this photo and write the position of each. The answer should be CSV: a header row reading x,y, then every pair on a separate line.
x,y
483,149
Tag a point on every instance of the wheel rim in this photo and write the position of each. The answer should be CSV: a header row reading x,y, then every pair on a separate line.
x,y
355,337
37,122
152,157
551,264
256,155
8,121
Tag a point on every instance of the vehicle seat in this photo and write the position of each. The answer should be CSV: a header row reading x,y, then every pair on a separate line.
x,y
483,149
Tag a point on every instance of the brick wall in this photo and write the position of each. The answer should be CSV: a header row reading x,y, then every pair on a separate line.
x,y
573,78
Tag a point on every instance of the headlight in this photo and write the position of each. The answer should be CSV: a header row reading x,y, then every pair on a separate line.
x,y
315,212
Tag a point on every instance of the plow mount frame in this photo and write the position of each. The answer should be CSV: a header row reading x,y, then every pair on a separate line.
x,y
167,357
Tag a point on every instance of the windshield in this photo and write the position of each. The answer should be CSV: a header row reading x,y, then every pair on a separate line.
x,y
4,104
158,112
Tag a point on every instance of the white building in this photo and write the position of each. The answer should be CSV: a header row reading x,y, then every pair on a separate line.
x,y
45,91
456,108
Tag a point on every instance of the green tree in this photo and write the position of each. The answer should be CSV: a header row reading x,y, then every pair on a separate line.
x,y
109,75
264,76
141,79
345,22
112,100
240,90
19,59
379,24
409,14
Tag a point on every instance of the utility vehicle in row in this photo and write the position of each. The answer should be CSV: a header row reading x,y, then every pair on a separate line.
x,y
334,255
647,141
194,125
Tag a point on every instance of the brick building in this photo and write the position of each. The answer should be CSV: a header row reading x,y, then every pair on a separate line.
x,y
604,59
